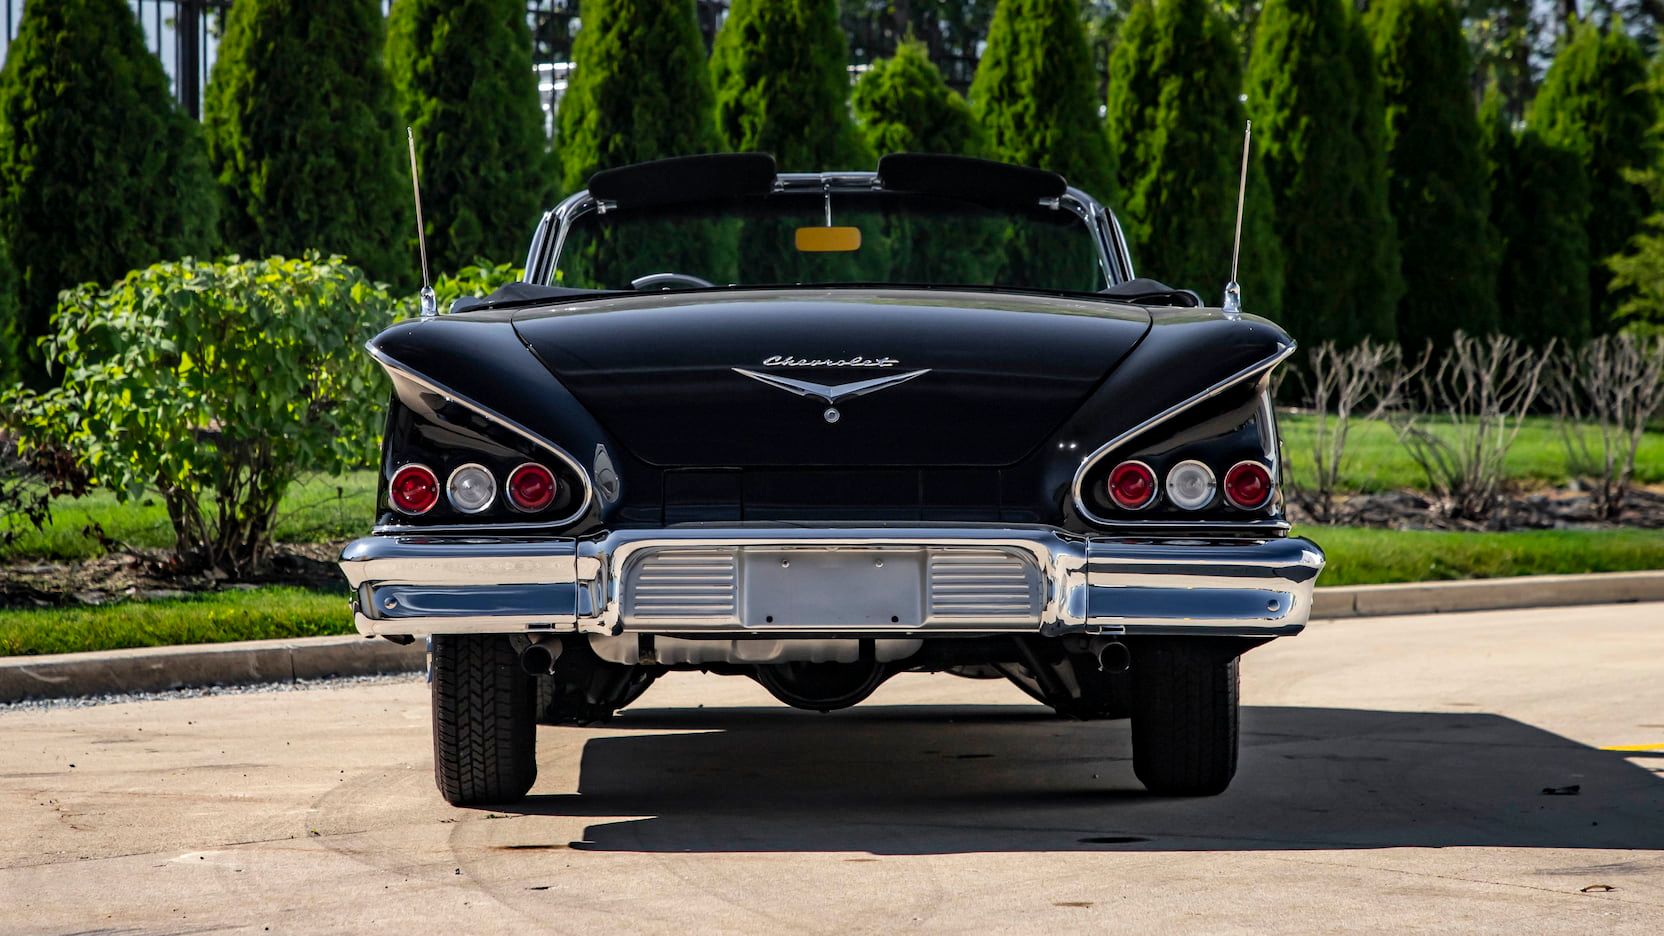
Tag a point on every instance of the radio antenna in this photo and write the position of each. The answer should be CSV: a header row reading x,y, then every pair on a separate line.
x,y
1233,292
430,302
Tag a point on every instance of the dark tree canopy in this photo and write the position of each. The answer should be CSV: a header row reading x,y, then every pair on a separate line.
x,y
1539,206
782,85
1596,102
11,322
1175,122
100,172
902,105
1436,172
302,133
1316,105
641,88
463,80
1035,94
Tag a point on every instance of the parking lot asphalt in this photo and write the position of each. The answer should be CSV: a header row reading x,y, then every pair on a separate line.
x,y
1490,772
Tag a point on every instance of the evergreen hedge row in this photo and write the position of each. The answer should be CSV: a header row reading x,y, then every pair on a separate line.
x,y
462,78
100,171
302,134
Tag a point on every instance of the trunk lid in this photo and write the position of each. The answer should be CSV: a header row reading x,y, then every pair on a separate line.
x,y
927,378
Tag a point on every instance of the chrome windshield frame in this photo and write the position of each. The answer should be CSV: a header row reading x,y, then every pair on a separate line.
x,y
1114,258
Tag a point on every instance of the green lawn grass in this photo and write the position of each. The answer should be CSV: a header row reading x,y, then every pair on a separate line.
x,y
1359,556
1356,556
214,617
1377,461
318,509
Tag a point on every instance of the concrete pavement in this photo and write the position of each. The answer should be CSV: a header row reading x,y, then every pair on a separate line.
x,y
1391,779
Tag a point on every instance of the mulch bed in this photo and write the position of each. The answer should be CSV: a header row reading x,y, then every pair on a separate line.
x,y
148,574
1550,509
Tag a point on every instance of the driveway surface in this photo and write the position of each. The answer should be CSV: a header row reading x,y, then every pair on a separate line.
x,y
1392,779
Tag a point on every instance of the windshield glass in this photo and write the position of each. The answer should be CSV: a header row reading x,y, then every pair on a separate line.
x,y
873,237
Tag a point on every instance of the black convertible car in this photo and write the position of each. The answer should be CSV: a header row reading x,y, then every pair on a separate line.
x,y
817,429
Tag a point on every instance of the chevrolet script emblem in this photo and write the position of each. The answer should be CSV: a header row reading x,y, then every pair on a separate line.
x,y
831,393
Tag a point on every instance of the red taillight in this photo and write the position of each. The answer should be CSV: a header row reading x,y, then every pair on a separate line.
x,y
1132,485
1248,485
414,490
531,487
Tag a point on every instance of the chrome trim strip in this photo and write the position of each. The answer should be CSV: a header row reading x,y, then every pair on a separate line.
x,y
1083,584
397,370
1097,454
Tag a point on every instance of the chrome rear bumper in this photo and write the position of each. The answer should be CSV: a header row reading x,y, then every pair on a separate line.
x,y
814,582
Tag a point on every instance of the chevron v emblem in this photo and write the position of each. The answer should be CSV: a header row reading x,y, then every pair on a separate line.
x,y
831,393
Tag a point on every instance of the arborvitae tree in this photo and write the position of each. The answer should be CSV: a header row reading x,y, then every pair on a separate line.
x,y
1597,103
302,132
782,84
1436,172
100,172
1035,94
1379,276
11,322
1175,128
903,105
463,79
1316,106
640,90
1539,206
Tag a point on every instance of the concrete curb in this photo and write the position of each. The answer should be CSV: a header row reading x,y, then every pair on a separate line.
x,y
1529,591
156,669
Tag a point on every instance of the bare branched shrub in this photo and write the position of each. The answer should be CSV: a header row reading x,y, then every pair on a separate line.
x,y
1361,382
1480,389
1603,397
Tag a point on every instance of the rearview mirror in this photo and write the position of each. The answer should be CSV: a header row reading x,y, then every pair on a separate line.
x,y
828,239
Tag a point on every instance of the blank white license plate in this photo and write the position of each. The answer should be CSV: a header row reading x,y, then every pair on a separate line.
x,y
833,588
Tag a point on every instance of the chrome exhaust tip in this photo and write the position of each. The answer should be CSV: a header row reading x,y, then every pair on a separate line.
x,y
1114,657
539,658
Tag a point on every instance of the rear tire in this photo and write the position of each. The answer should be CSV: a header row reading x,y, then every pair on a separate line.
x,y
484,724
1185,710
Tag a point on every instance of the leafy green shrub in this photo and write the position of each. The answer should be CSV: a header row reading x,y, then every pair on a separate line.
x,y
780,68
477,280
463,79
1597,103
1539,206
1316,105
903,105
301,132
100,171
1437,171
216,384
1035,94
1175,121
640,88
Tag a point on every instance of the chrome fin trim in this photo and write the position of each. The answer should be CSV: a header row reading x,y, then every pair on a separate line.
x,y
399,371
1249,373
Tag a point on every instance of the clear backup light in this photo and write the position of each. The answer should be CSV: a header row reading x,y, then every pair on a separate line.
x,y
1190,485
1132,485
531,487
471,489
414,490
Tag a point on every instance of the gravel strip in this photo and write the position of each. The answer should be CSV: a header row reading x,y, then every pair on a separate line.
x,y
117,698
